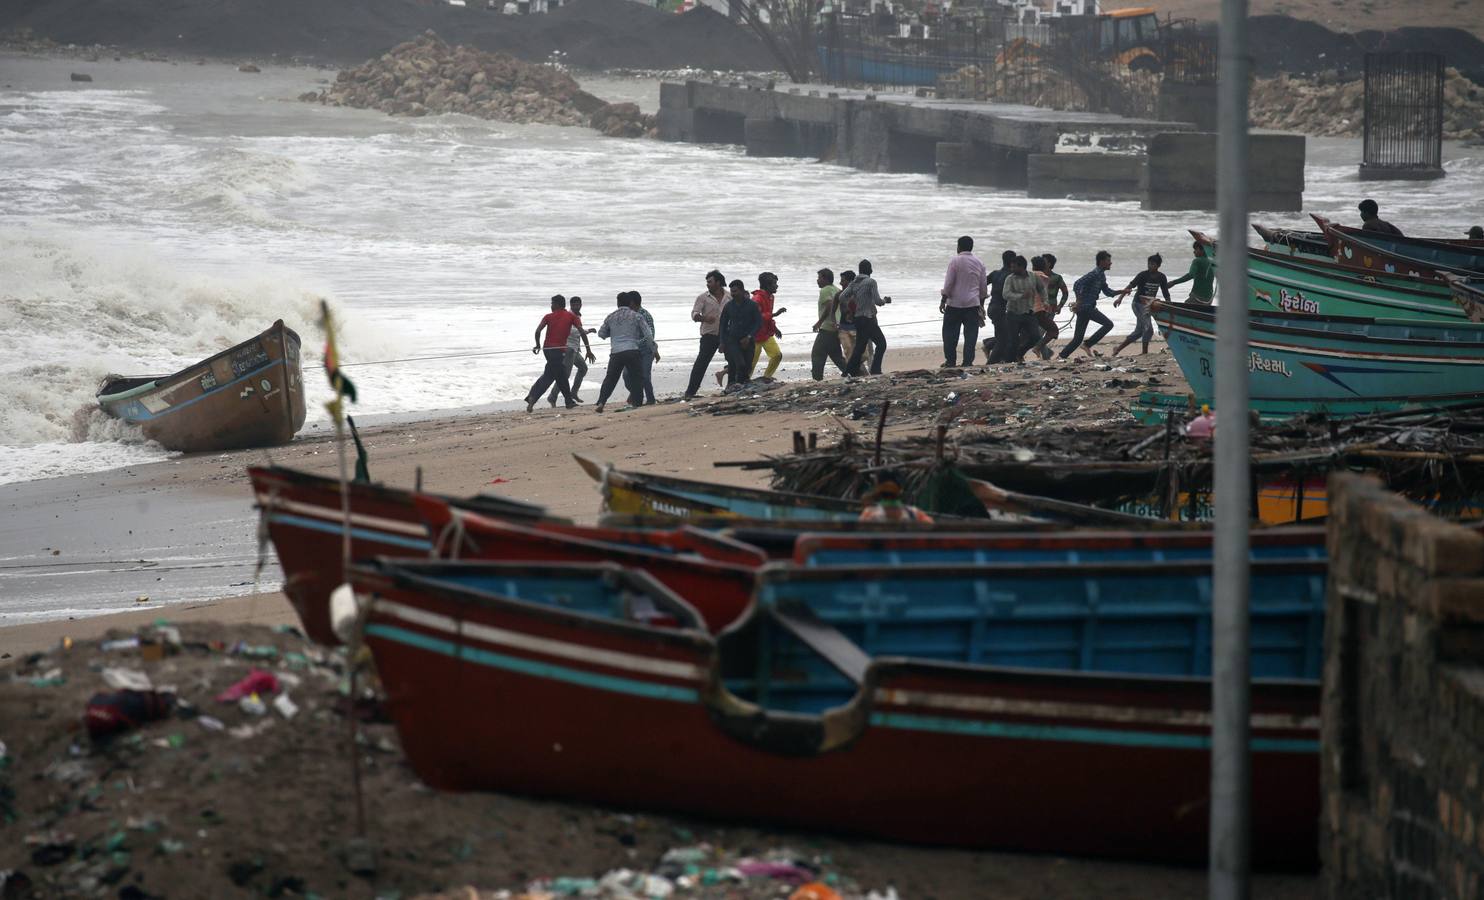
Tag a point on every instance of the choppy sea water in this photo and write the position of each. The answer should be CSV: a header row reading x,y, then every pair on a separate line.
x,y
163,212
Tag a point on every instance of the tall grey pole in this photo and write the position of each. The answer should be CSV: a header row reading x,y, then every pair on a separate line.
x,y
1231,766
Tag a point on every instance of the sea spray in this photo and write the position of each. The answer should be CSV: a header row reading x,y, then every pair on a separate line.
x,y
77,306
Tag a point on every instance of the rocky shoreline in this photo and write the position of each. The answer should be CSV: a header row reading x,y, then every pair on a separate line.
x,y
1325,106
427,76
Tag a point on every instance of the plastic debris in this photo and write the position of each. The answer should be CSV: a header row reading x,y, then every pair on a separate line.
x,y
286,707
127,680
256,682
128,643
815,890
253,705
49,678
120,711
210,723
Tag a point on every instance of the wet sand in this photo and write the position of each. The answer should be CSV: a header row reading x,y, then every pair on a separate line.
x,y
182,531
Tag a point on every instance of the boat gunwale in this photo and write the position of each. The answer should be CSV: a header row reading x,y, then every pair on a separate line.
x,y
162,382
1204,313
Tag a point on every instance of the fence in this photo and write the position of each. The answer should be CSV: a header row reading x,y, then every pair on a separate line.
x,y
1403,116
1079,63
883,51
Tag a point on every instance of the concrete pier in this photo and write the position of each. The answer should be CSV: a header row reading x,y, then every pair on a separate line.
x,y
1049,153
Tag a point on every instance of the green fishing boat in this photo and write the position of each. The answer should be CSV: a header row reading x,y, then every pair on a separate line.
x,y
1308,285
1331,365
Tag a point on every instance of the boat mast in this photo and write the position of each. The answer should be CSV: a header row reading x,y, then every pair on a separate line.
x,y
1231,765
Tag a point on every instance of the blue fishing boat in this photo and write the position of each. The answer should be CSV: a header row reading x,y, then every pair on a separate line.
x,y
1357,248
1030,704
1336,366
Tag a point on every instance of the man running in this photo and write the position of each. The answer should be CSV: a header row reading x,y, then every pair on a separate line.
x,y
766,337
867,298
740,320
627,332
1203,275
1145,286
707,311
965,290
1021,290
826,328
576,344
1086,289
996,316
558,325
649,353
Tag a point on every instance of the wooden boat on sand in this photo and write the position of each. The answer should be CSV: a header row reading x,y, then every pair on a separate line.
x,y
250,395
1331,365
660,496
1067,710
303,516
1356,248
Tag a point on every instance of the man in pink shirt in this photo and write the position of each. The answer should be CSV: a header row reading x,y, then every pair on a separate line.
x,y
965,288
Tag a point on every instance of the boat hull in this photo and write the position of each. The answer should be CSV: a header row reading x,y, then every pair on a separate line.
x,y
969,756
251,395
1296,368
1303,288
1356,248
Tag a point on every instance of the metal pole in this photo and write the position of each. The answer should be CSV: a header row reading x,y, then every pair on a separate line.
x,y
1231,768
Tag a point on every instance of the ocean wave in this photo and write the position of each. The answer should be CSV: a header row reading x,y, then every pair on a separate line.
x,y
77,306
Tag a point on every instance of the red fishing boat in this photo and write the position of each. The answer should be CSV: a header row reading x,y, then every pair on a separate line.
x,y
1055,707
304,517
719,587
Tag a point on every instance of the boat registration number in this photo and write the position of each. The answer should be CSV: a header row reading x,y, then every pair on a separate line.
x,y
253,356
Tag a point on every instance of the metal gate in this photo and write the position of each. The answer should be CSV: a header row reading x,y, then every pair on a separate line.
x,y
1403,116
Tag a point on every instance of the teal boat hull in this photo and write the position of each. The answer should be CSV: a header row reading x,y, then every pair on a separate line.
x,y
1335,366
1281,285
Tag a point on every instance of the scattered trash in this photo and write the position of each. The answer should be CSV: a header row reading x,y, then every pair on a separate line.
x,y
128,643
252,705
210,723
256,682
49,678
120,711
127,679
286,707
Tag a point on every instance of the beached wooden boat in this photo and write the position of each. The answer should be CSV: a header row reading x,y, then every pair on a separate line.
x,y
251,395
1296,243
1335,366
718,586
1356,248
1065,711
1000,501
1468,295
302,515
660,496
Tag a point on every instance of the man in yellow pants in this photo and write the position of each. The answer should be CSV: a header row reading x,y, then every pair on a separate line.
x,y
766,338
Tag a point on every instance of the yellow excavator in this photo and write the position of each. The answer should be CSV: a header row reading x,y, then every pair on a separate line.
x,y
1131,38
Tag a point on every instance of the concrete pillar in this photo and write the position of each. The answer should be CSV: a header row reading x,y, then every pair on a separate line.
x,y
1084,176
677,124
911,153
769,137
714,127
1181,172
964,162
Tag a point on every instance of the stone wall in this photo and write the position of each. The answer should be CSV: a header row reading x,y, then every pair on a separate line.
x,y
1403,731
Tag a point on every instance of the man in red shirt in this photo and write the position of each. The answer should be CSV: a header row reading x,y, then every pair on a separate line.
x,y
558,325
766,337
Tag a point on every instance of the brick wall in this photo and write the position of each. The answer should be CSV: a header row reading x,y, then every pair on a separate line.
x,y
1403,734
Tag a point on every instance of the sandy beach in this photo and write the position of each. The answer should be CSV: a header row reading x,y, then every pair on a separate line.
x,y
183,531
482,839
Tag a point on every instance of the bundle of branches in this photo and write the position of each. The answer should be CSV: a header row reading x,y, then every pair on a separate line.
x,y
1433,456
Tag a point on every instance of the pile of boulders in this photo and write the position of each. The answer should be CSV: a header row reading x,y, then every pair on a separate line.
x,y
426,76
1328,107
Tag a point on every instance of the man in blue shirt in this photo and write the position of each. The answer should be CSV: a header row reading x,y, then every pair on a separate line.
x,y
1086,289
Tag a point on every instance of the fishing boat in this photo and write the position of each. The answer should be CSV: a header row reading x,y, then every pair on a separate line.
x,y
1296,244
630,493
1065,710
718,588
1356,248
1469,295
250,395
998,500
1313,286
1030,548
1331,365
303,516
